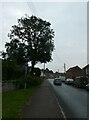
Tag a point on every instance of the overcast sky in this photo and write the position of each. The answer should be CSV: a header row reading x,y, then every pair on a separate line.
x,y
69,21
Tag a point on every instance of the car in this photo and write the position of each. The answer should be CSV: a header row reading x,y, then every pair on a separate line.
x,y
81,82
62,78
57,81
87,87
69,81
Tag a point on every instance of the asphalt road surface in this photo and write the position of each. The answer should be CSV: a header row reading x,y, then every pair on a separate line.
x,y
74,101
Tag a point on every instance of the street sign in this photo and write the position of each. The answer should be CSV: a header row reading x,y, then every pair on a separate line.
x,y
26,71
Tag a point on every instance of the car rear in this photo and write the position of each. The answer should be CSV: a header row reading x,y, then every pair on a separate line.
x,y
57,81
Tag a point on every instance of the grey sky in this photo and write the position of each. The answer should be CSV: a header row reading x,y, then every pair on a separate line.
x,y
69,21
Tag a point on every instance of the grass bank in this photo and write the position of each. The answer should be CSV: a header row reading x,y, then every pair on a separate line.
x,y
14,101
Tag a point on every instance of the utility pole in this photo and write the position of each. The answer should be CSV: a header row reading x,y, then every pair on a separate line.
x,y
44,71
1,53
58,73
64,68
26,71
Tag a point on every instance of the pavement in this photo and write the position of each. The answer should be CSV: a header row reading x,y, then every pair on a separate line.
x,y
43,104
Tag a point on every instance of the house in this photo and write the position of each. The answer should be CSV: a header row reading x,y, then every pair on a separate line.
x,y
86,70
56,75
74,72
47,73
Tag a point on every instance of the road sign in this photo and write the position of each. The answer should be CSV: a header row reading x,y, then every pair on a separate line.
x,y
26,71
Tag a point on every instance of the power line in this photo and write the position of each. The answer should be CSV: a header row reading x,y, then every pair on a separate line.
x,y
32,7
34,11
58,58
62,62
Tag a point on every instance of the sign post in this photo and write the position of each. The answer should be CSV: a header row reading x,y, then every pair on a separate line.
x,y
26,71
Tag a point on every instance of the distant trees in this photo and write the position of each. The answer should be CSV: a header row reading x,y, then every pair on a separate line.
x,y
31,40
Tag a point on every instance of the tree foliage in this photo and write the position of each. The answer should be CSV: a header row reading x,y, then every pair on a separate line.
x,y
10,70
31,40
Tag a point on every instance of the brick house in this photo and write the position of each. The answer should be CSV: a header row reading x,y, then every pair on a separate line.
x,y
56,75
86,70
74,72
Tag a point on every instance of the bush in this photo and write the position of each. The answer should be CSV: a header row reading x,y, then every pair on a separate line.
x,y
81,82
37,71
10,70
30,81
19,83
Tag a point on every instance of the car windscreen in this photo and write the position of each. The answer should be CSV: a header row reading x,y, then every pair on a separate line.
x,y
57,79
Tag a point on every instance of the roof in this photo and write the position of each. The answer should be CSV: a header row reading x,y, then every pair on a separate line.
x,y
74,68
86,66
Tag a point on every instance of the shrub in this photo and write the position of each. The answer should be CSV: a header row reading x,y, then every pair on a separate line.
x,y
34,80
37,71
29,80
81,82
10,70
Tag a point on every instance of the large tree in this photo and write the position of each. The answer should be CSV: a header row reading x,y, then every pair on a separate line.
x,y
31,40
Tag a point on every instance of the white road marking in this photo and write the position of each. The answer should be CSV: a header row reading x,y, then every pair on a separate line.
x,y
61,108
64,116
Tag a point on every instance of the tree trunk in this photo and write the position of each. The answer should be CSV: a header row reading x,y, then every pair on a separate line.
x,y
32,68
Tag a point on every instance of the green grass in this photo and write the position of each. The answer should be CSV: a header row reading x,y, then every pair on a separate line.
x,y
14,101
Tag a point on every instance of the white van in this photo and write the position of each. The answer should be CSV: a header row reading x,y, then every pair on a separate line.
x,y
63,78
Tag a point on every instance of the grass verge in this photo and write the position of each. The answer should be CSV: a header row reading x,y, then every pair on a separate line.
x,y
14,101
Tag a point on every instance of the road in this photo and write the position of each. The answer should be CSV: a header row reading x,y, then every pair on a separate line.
x,y
74,101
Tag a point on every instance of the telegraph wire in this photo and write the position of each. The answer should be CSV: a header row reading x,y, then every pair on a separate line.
x,y
31,6
60,60
33,10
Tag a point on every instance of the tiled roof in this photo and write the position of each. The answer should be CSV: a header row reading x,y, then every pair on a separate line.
x,y
86,66
74,68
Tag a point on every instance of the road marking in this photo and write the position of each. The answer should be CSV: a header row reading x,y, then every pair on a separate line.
x,y
65,118
60,108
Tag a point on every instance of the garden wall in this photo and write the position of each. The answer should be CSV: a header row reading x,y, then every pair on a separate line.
x,y
8,87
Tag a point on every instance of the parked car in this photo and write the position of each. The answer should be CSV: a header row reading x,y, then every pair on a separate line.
x,y
69,81
81,82
62,78
57,81
87,87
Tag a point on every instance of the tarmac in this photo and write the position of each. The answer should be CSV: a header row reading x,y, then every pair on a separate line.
x,y
43,104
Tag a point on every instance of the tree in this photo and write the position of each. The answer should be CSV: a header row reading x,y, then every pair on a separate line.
x,y
15,51
31,40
